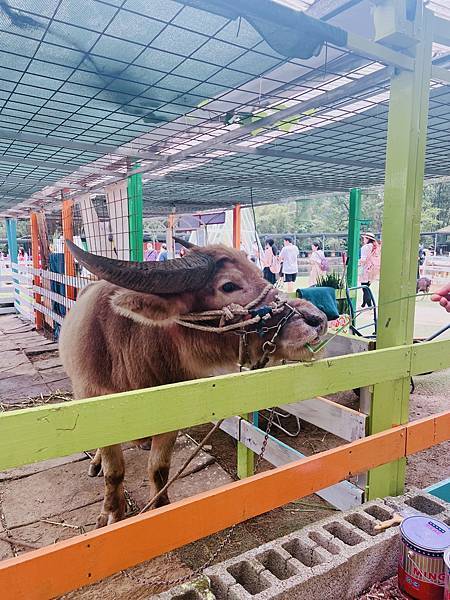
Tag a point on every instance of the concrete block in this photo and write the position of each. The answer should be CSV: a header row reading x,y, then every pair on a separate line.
x,y
337,557
420,501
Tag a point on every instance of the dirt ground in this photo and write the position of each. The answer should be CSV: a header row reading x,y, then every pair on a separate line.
x,y
385,590
43,503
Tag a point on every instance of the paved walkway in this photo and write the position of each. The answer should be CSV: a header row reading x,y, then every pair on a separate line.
x,y
53,500
30,365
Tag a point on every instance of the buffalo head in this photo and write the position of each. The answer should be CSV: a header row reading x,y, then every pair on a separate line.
x,y
207,278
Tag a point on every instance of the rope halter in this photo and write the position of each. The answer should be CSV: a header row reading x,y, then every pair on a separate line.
x,y
258,317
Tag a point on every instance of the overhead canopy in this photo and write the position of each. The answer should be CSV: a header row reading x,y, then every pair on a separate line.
x,y
217,101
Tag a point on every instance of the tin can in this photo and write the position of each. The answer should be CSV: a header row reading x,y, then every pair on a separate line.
x,y
447,574
421,567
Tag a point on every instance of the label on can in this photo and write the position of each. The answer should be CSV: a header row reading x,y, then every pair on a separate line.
x,y
421,566
417,588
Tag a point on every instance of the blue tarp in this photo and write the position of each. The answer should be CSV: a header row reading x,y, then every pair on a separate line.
x,y
56,265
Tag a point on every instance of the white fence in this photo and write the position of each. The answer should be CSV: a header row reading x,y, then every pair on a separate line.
x,y
6,288
437,268
20,283
16,288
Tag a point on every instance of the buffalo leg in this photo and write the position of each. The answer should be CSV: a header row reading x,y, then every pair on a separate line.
x,y
114,470
95,465
159,465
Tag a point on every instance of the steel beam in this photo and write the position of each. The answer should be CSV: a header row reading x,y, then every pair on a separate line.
x,y
440,74
327,9
83,170
262,151
57,142
441,30
266,183
331,97
379,53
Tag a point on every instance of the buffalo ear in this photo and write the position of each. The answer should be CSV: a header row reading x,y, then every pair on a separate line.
x,y
150,309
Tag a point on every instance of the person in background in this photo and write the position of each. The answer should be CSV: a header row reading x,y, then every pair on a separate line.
x,y
370,262
150,253
442,296
22,255
421,260
270,261
163,255
289,259
318,262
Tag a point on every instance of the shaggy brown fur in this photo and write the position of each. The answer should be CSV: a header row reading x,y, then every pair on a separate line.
x,y
114,340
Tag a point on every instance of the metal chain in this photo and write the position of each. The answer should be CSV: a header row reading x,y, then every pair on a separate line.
x,y
159,581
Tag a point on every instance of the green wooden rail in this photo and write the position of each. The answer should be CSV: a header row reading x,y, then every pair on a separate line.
x,y
32,435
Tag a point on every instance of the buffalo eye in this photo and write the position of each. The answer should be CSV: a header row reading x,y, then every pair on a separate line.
x,y
229,287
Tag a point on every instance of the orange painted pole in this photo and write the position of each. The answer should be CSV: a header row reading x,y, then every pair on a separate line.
x,y
39,317
237,226
59,568
69,263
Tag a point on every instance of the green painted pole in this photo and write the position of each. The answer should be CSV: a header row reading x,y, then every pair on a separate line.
x,y
135,217
11,235
403,191
354,226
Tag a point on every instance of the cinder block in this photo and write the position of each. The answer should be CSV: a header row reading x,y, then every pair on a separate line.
x,y
421,501
337,557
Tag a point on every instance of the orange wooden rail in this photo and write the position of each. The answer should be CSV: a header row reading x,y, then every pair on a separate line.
x,y
69,263
55,570
39,317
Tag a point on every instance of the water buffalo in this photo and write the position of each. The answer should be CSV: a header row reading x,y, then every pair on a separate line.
x,y
124,333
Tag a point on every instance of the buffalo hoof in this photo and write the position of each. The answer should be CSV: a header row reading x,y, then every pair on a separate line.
x,y
95,470
104,519
145,444
162,501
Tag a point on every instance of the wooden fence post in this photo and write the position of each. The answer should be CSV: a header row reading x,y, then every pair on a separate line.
x,y
403,190
69,263
245,456
11,234
354,222
39,317
135,217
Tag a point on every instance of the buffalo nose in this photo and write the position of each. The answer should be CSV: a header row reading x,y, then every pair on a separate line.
x,y
314,320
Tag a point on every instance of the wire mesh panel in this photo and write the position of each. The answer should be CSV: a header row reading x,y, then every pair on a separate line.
x,y
119,222
96,223
49,294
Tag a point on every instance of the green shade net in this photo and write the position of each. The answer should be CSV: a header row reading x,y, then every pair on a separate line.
x,y
289,32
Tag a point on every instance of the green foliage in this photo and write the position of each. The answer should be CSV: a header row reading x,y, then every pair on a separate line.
x,y
336,281
330,214
332,280
23,228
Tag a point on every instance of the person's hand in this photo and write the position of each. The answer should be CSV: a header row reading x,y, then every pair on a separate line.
x,y
443,297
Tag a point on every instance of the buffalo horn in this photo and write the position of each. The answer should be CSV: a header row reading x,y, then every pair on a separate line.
x,y
185,274
184,243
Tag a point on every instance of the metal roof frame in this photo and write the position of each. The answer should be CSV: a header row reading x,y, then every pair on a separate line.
x,y
320,96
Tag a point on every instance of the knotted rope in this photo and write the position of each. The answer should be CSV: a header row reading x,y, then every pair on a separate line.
x,y
231,312
257,316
